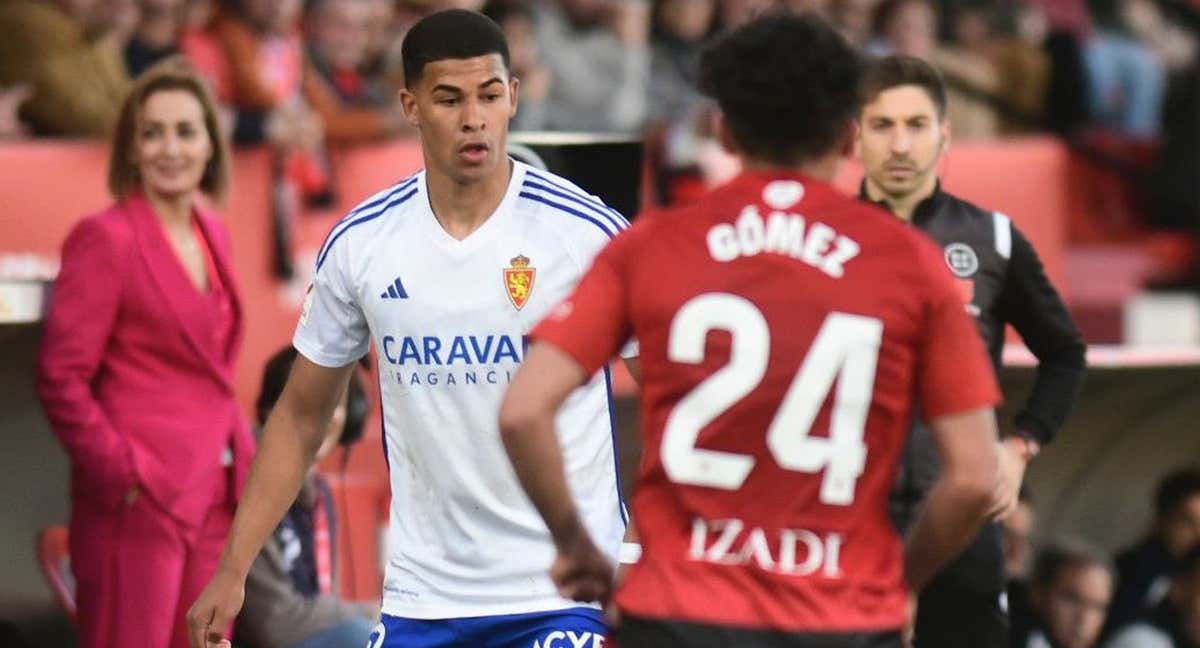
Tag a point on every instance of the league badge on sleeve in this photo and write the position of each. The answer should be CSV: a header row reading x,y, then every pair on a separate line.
x,y
518,280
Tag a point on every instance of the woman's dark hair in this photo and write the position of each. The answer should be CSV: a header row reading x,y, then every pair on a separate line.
x,y
787,85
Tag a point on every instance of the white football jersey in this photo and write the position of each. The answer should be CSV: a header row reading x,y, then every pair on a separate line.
x,y
449,321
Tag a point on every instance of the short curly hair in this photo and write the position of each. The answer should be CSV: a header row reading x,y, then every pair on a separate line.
x,y
787,85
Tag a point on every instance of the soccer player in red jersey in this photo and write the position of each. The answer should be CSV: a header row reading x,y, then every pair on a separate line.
x,y
787,333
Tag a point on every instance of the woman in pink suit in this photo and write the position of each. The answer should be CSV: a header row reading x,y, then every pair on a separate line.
x,y
136,372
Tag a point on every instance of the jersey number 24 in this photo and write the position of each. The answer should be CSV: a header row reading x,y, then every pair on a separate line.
x,y
847,346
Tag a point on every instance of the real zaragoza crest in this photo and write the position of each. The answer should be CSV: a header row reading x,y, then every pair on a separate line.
x,y
518,280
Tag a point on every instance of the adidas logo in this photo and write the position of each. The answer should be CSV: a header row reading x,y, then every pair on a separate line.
x,y
395,291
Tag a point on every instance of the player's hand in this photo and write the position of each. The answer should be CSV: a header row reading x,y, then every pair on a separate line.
x,y
1008,487
582,572
213,613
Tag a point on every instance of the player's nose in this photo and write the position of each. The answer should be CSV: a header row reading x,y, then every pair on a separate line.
x,y
472,117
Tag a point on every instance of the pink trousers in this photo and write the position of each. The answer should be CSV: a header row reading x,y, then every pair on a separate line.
x,y
138,570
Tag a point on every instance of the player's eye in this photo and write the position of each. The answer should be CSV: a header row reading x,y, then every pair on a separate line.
x,y
491,97
448,101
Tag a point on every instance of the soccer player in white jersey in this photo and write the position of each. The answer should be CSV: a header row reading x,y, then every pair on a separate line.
x,y
445,272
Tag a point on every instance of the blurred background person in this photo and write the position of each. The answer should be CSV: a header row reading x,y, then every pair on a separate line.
x,y
379,33
680,117
1175,621
735,13
966,61
1019,52
156,35
354,104
1126,80
1067,25
598,52
65,51
910,27
207,55
516,19
1144,571
262,44
291,589
1071,590
818,7
136,371
680,30
853,19
119,18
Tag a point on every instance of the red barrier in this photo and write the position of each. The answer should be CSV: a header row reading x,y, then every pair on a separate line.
x,y
45,187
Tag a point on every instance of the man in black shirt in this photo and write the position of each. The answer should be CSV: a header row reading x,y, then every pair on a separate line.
x,y
903,136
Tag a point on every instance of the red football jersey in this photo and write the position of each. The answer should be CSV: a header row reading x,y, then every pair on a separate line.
x,y
786,333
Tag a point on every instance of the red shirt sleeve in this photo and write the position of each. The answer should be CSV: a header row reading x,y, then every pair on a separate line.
x,y
593,323
954,372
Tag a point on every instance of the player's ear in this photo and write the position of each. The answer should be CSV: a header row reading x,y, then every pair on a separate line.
x,y
514,85
944,131
408,102
724,134
850,139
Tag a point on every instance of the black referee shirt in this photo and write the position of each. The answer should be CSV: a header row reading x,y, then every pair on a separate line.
x,y
998,267
1003,282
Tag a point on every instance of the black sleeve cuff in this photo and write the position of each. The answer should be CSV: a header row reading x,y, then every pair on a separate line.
x,y
1027,424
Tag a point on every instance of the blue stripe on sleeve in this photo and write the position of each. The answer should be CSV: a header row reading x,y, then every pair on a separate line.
x,y
369,217
616,222
558,184
574,212
346,220
612,424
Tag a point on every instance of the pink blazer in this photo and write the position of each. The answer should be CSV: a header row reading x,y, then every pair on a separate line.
x,y
129,374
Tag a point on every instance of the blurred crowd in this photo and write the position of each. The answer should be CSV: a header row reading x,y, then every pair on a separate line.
x,y
292,72
1068,594
1117,78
